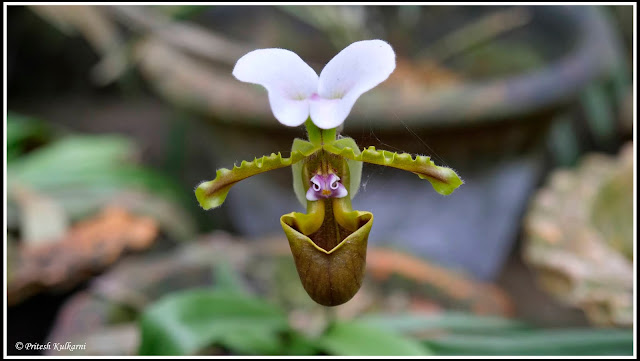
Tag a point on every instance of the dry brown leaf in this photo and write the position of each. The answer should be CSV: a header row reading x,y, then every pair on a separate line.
x,y
88,247
482,298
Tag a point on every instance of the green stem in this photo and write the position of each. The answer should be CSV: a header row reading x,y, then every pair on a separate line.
x,y
319,136
313,132
328,136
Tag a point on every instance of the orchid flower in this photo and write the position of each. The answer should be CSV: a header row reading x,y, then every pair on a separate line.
x,y
329,241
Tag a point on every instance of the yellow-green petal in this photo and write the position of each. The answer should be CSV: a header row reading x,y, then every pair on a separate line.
x,y
213,193
443,179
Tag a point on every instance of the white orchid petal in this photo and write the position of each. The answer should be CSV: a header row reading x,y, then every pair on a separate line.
x,y
356,69
289,112
287,78
329,113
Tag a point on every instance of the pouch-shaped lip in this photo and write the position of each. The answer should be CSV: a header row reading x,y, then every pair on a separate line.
x,y
361,215
331,277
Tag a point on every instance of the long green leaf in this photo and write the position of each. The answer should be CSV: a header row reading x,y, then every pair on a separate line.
x,y
20,130
75,153
85,172
455,322
360,339
567,342
187,322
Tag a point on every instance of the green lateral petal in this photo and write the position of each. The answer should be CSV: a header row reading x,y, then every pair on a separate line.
x,y
443,179
212,194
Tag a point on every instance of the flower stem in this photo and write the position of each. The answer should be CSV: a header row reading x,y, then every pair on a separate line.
x,y
328,136
313,132
319,136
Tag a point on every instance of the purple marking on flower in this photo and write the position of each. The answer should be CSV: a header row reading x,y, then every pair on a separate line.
x,y
326,186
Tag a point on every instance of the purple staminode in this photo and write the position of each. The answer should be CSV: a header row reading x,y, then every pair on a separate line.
x,y
326,186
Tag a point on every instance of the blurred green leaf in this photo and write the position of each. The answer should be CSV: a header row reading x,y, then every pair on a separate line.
x,y
563,342
599,114
186,322
20,130
253,341
298,344
105,159
563,141
226,278
182,12
86,153
361,339
449,321
86,172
